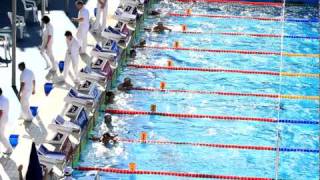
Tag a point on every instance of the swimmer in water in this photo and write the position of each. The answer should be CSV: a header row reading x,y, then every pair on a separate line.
x,y
141,44
126,85
159,28
109,97
154,12
106,138
108,121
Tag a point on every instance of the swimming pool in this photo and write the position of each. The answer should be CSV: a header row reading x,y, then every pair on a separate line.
x,y
195,98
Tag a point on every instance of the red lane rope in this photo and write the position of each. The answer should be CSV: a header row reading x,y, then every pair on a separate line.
x,y
254,35
203,69
236,2
225,146
206,92
250,34
227,118
215,50
168,173
225,16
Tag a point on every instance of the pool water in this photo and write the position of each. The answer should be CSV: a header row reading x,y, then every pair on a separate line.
x,y
195,159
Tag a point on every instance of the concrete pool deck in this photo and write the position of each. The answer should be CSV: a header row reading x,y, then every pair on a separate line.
x,y
49,106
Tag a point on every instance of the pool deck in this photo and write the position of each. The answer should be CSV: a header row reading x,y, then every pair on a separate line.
x,y
49,106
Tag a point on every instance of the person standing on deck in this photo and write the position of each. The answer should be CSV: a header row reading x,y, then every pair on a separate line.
x,y
27,88
4,112
102,9
72,55
83,27
46,46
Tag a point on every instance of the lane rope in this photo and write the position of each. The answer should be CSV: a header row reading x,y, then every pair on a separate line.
x,y
168,173
226,93
204,116
234,51
223,146
243,17
174,68
250,34
223,16
236,2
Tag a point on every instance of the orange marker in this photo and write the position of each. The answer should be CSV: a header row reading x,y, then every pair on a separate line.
x,y
176,44
169,63
184,27
188,11
153,108
132,166
143,136
162,85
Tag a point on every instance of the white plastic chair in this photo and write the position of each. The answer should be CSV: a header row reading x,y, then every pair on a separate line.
x,y
30,6
20,23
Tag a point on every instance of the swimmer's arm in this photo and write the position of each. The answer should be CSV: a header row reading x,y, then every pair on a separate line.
x,y
94,138
168,29
148,29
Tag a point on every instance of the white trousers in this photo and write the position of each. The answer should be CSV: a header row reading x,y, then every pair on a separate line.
x,y
104,13
82,38
74,59
3,139
48,53
25,106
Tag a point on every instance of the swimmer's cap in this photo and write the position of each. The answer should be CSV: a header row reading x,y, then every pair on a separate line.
x,y
67,171
107,114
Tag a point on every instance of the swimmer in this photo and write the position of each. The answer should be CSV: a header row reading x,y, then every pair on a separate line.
x,y
105,139
154,12
126,85
141,44
109,98
159,28
108,121
133,53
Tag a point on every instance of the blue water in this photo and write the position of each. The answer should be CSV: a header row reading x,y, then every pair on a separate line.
x,y
183,158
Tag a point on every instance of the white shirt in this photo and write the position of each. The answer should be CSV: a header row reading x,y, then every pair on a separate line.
x,y
84,13
73,46
4,106
27,77
47,31
105,4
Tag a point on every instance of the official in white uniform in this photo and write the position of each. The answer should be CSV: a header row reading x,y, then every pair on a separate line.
x,y
27,88
102,9
4,112
83,27
47,40
72,55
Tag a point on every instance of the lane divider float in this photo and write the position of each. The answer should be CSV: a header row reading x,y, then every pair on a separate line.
x,y
234,51
167,173
272,73
249,34
205,116
223,146
284,96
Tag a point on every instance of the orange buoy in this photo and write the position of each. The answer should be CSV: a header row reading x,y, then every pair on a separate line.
x,y
176,44
153,108
143,136
162,85
169,62
188,11
184,27
132,166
